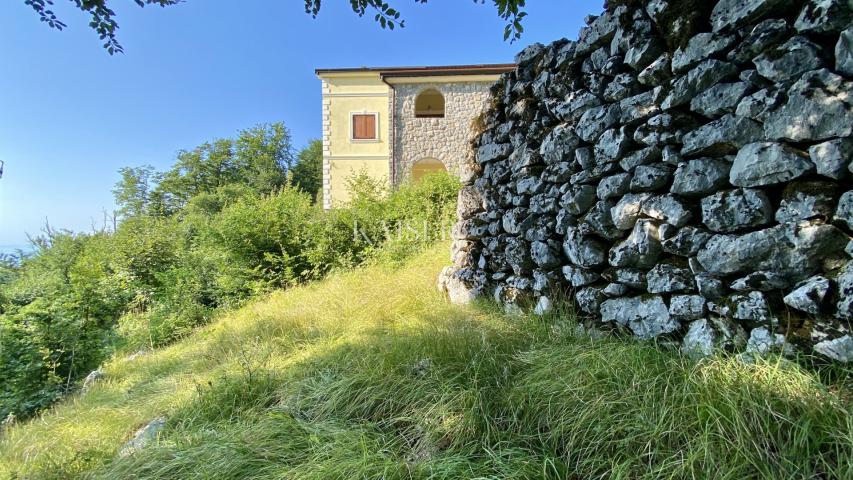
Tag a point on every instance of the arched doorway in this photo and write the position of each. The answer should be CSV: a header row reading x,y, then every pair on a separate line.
x,y
429,104
425,167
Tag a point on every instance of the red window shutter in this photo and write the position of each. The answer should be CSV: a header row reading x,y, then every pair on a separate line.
x,y
364,127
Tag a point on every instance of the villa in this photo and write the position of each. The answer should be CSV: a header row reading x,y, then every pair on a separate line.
x,y
399,123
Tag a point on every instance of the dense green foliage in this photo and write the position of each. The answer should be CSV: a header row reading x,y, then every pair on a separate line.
x,y
104,23
373,374
231,220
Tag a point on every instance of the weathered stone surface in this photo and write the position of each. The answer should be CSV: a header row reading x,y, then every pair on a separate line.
x,y
762,281
518,255
792,58
700,176
824,16
91,379
794,250
818,108
612,144
844,212
615,290
722,136
730,14
144,436
656,72
810,295
733,210
719,99
844,306
622,86
833,158
750,306
840,349
706,336
596,120
578,199
543,306
667,208
638,107
710,287
580,277
767,163
599,222
644,156
459,290
589,299
699,48
582,250
544,256
599,32
669,278
614,186
686,242
700,78
492,152
648,178
762,342
641,249
763,36
643,54
759,104
517,220
559,144
630,277
469,202
648,317
687,307
844,52
626,212
807,200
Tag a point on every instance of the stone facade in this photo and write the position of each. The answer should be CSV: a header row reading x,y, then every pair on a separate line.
x,y
678,184
445,139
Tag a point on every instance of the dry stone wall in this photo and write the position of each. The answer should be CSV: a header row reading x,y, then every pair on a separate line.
x,y
684,173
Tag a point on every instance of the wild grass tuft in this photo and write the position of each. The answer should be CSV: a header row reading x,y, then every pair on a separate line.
x,y
372,374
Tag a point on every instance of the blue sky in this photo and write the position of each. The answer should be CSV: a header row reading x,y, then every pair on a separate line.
x,y
71,115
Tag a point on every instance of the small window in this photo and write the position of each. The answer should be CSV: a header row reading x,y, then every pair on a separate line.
x,y
364,126
429,104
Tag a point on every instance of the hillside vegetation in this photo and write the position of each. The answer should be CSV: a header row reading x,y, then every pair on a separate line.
x,y
372,374
231,220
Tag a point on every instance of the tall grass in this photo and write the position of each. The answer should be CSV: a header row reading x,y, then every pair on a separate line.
x,y
371,374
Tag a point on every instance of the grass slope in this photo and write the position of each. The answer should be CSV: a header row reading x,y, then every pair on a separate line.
x,y
371,374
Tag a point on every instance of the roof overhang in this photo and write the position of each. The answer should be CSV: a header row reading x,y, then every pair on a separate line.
x,y
431,71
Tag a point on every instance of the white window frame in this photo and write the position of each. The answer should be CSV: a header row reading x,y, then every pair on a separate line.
x,y
376,138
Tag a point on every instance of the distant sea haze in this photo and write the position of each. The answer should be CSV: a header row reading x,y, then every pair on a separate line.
x,y
14,248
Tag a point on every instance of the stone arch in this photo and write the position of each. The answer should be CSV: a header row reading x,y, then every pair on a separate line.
x,y
426,166
429,104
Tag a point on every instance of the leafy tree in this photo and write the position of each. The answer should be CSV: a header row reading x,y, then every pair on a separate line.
x,y
133,192
104,23
308,171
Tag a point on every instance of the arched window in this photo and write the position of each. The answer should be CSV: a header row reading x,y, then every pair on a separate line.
x,y
425,167
429,104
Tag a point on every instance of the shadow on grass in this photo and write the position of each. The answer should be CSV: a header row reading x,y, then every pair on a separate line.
x,y
470,393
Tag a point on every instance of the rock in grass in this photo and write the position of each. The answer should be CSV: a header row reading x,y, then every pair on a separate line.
x,y
840,349
143,437
707,336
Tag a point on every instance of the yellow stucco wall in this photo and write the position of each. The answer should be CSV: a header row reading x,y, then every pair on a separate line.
x,y
343,95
